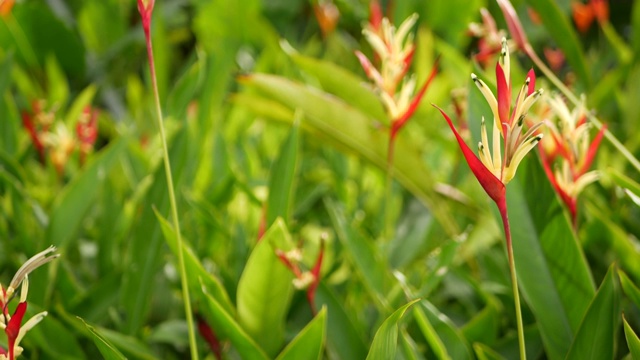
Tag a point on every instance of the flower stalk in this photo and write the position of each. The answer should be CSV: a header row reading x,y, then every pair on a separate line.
x,y
145,7
394,50
492,168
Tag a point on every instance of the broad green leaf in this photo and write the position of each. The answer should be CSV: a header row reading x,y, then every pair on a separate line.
x,y
552,271
227,328
282,178
563,34
347,128
364,255
596,336
76,198
309,342
444,338
107,349
344,84
265,289
196,274
630,289
632,340
385,342
344,336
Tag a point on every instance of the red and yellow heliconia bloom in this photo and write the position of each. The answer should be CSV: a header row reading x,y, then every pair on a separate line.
x,y
394,48
491,167
569,152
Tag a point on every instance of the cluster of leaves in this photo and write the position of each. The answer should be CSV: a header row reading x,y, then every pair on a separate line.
x,y
270,123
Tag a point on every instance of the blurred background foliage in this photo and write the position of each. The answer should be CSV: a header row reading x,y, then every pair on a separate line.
x,y
268,113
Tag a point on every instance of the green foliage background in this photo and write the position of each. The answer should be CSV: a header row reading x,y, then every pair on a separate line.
x,y
267,116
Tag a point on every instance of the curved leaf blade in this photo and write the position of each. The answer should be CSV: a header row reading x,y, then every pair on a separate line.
x,y
385,342
106,348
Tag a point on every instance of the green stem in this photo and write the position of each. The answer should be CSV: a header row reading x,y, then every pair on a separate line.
x,y
502,206
574,99
172,200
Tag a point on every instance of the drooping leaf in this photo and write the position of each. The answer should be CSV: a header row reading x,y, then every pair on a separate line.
x,y
385,341
309,342
349,129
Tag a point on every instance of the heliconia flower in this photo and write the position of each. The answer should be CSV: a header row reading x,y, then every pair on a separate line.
x,y
12,324
395,50
87,131
572,152
327,14
61,144
308,280
493,169
375,15
490,37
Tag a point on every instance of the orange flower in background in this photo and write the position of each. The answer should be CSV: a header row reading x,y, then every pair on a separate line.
x,y
6,6
327,14
585,14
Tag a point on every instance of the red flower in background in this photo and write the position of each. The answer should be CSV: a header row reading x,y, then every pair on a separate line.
x,y
569,152
308,280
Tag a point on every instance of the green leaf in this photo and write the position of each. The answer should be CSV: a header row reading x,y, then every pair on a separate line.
x,y
563,34
625,182
344,338
281,180
347,128
265,289
309,342
344,84
385,341
81,101
76,198
483,352
632,340
57,86
107,349
596,336
227,328
197,274
630,289
552,270
446,341
364,255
